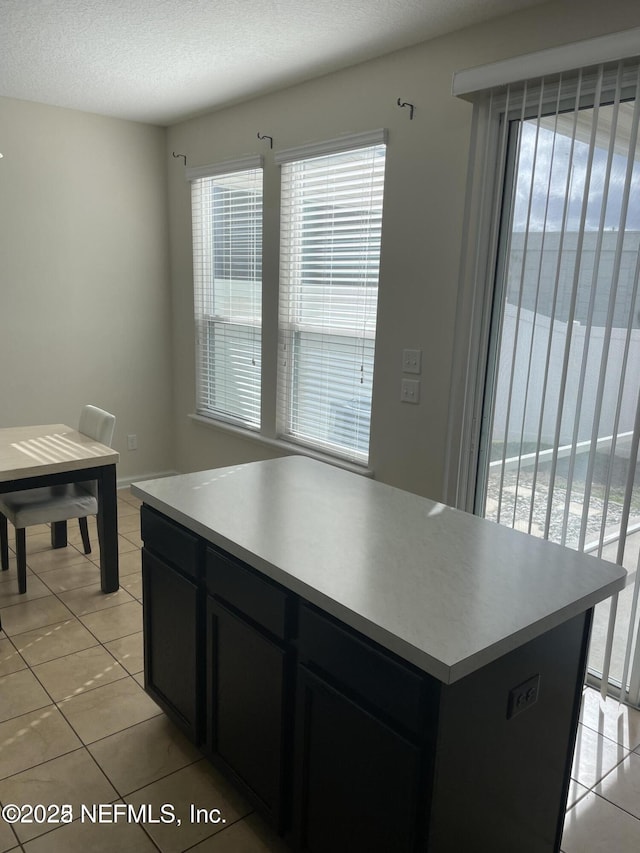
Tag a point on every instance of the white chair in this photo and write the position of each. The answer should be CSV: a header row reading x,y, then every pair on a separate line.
x,y
54,504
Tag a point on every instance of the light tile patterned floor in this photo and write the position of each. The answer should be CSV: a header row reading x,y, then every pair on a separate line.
x,y
76,726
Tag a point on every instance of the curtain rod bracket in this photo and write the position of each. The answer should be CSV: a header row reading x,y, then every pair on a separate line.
x,y
184,157
270,138
405,104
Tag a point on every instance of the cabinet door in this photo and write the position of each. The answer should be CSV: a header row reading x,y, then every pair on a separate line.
x,y
246,706
171,622
356,780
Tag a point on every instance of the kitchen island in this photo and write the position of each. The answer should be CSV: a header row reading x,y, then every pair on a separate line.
x,y
374,670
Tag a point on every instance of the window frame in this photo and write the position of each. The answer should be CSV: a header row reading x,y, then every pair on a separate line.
x,y
268,431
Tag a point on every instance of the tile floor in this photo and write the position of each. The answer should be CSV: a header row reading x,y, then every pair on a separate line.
x,y
77,728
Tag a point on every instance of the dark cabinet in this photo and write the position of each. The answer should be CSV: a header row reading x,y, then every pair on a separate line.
x,y
357,780
343,745
172,622
248,679
361,718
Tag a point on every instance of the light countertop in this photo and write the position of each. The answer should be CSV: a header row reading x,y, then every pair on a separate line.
x,y
445,590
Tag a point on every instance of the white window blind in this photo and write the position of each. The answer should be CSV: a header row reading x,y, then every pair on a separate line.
x,y
331,219
227,268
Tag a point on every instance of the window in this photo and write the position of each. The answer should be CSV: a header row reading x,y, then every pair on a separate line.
x,y
552,418
560,439
227,268
331,219
322,318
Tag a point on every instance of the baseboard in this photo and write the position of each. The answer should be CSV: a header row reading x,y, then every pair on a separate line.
x,y
125,482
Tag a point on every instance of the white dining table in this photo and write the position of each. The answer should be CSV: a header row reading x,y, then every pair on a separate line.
x,y
52,454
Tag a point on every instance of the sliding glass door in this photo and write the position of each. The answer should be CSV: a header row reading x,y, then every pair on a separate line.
x,y
558,454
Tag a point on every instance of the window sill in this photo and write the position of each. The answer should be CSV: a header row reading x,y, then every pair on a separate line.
x,y
284,446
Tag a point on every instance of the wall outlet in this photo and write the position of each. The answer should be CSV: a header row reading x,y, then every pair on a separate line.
x,y
523,696
132,442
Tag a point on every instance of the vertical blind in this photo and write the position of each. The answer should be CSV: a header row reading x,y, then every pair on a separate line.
x,y
559,447
227,268
331,219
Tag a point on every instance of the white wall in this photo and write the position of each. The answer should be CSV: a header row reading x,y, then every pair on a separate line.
x,y
84,285
424,205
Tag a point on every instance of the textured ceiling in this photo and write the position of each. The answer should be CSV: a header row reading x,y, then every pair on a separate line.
x,y
162,60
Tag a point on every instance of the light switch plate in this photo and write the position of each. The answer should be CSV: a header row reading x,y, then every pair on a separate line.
x,y
410,391
412,361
